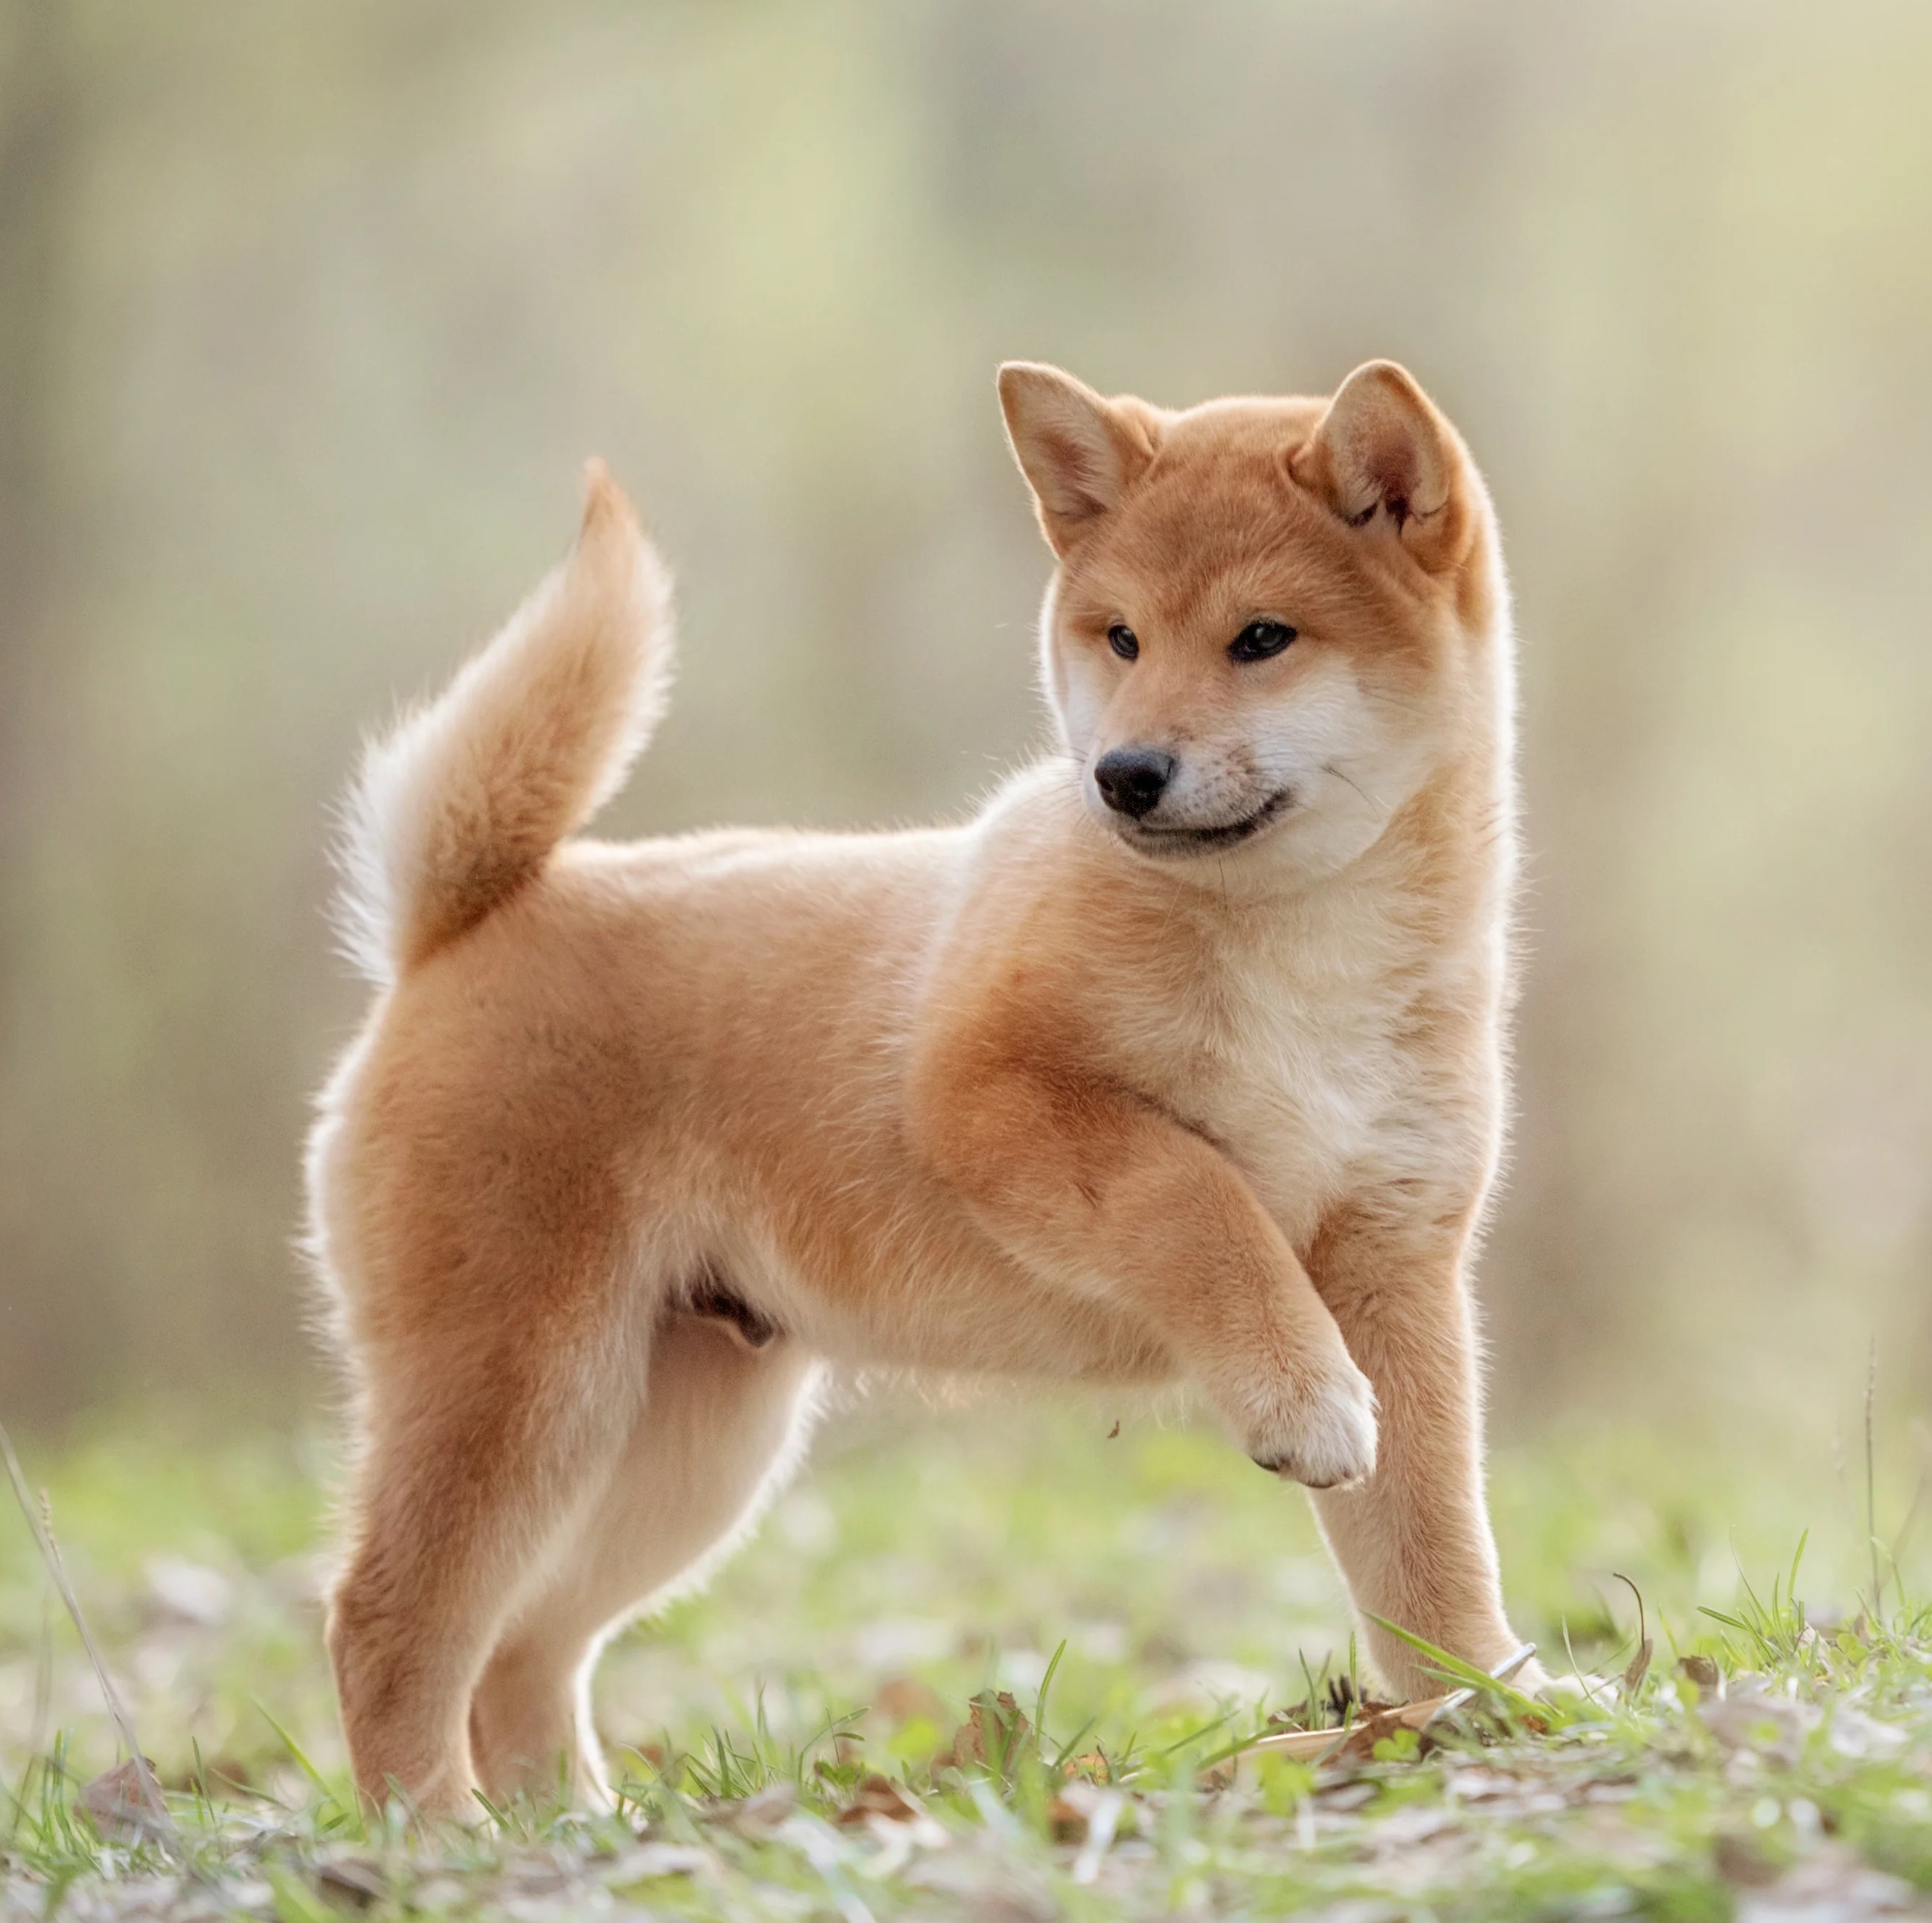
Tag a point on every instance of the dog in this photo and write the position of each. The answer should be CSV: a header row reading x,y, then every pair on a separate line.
x,y
1182,1059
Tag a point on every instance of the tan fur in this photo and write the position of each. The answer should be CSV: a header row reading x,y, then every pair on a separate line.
x,y
1054,1094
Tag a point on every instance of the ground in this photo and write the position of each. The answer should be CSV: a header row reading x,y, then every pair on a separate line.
x,y
999,1662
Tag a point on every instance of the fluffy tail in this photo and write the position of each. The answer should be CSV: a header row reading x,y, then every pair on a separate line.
x,y
462,803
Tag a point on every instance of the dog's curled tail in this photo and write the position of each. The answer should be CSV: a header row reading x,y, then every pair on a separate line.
x,y
462,803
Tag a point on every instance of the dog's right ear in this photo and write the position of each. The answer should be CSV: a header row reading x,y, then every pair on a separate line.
x,y
1079,453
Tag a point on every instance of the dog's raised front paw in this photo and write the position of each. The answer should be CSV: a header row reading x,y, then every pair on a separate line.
x,y
1322,1436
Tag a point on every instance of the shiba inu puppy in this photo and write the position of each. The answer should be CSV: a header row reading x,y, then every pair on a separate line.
x,y
1182,1059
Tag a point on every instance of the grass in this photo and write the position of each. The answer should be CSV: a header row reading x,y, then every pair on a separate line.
x,y
997,1663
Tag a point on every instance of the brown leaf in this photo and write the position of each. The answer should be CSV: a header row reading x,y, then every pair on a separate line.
x,y
1639,1666
1069,1824
126,1803
880,1796
1700,1670
973,1739
1091,1768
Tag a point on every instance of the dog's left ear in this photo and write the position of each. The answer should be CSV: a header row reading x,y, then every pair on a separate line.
x,y
1387,462
1079,452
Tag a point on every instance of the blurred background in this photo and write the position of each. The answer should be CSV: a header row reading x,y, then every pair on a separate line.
x,y
310,313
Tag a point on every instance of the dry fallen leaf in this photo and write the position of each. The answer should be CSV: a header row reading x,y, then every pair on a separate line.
x,y
970,1740
1700,1670
126,1803
1639,1666
880,1796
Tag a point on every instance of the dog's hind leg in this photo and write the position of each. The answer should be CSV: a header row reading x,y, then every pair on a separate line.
x,y
484,1436
722,1422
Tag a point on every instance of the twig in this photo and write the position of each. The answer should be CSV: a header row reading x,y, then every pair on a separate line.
x,y
1642,1626
154,1810
1871,1481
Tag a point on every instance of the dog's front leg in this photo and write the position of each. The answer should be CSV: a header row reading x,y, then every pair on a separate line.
x,y
1097,1191
1415,1542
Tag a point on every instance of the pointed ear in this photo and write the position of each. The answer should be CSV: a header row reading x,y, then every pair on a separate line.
x,y
1078,452
1386,461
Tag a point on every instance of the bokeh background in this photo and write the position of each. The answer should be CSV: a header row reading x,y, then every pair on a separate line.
x,y
309,314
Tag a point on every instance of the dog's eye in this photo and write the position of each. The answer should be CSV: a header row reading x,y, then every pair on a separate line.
x,y
1260,639
1123,641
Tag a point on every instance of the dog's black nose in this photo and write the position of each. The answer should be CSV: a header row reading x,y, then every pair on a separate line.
x,y
1133,780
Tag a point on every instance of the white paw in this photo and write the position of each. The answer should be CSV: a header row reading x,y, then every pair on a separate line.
x,y
1322,1433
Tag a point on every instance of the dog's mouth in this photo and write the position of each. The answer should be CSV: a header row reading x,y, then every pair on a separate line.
x,y
1190,840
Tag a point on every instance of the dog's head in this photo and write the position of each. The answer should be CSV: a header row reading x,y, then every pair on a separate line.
x,y
1272,618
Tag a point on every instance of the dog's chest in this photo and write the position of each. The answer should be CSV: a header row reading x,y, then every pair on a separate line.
x,y
1301,1060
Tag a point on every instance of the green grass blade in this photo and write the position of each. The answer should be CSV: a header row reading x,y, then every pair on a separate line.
x,y
1452,1669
